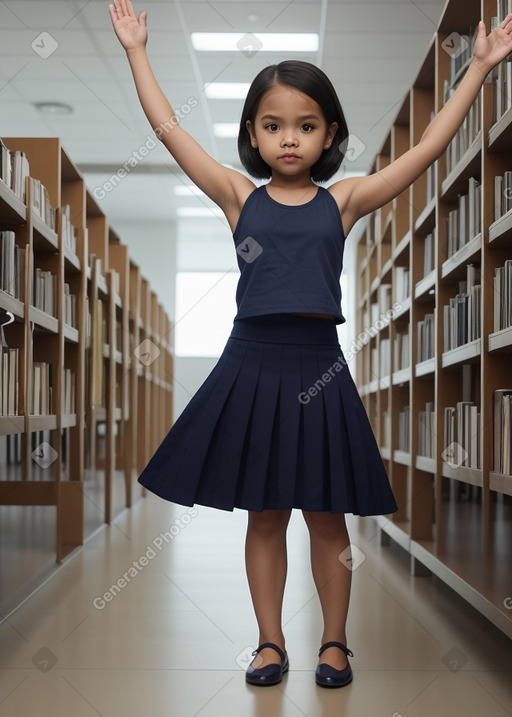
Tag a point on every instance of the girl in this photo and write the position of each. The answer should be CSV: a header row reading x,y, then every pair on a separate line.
x,y
278,424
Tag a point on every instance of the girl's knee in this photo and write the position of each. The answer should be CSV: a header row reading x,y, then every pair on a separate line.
x,y
325,522
268,521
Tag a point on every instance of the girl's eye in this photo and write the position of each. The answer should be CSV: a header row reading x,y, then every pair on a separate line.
x,y
273,127
307,127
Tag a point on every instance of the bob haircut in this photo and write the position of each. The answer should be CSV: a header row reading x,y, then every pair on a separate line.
x,y
311,81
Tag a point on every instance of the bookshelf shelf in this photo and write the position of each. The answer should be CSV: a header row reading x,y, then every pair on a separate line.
x,y
424,286
500,232
81,434
9,303
401,457
427,219
404,309
385,452
428,465
500,483
453,520
14,212
462,354
425,368
402,376
455,266
456,181
500,134
401,247
471,476
501,341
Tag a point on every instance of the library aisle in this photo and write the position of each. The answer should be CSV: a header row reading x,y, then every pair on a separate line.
x,y
153,617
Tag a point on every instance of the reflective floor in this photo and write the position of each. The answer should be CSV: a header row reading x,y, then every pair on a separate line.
x,y
153,617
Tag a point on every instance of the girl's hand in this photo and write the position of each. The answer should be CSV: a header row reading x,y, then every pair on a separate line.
x,y
493,48
131,33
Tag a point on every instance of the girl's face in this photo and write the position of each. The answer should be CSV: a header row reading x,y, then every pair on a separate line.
x,y
290,131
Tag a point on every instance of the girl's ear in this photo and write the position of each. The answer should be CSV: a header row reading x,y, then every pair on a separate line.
x,y
333,128
250,129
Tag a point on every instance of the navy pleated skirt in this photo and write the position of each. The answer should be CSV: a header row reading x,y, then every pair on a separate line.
x,y
278,423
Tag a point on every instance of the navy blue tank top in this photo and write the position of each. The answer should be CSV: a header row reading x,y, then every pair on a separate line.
x,y
290,257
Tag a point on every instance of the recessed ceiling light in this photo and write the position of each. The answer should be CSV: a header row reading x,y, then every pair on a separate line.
x,y
53,108
227,90
250,44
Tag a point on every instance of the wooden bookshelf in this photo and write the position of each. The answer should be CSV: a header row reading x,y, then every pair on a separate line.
x,y
453,519
109,409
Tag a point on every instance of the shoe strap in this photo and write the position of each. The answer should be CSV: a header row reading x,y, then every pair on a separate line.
x,y
273,646
345,649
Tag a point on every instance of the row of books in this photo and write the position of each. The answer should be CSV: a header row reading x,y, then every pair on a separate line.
x,y
401,352
68,230
12,265
9,381
69,391
14,169
41,397
381,365
502,407
428,254
465,136
41,204
502,194
503,296
426,338
462,316
401,283
69,307
462,435
45,291
427,431
404,443
463,223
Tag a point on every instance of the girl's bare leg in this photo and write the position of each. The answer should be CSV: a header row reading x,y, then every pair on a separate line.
x,y
266,565
328,538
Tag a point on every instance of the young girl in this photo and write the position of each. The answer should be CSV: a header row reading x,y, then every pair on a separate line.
x,y
278,424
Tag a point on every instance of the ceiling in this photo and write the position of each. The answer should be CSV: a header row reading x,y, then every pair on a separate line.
x,y
372,52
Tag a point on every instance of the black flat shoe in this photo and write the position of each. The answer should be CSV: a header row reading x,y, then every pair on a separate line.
x,y
328,676
270,674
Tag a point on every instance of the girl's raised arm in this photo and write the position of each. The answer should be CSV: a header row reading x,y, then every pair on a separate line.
x,y
359,196
226,187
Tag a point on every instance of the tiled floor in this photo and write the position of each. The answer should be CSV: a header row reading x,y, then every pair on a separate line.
x,y
176,638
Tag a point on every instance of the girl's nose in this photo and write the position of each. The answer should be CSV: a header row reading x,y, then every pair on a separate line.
x,y
289,141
